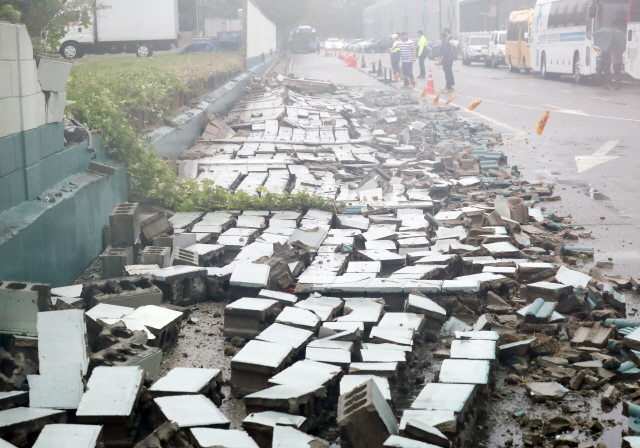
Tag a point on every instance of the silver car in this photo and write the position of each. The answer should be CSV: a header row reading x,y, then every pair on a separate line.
x,y
476,49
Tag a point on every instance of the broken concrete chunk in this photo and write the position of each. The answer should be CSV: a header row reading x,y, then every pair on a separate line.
x,y
288,437
248,317
189,380
190,411
222,438
541,392
63,435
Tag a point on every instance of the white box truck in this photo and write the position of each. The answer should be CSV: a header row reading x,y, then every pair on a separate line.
x,y
124,26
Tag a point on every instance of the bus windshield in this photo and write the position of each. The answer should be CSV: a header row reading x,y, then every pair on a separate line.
x,y
612,14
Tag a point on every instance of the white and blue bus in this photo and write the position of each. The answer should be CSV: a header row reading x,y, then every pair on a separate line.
x,y
631,61
562,35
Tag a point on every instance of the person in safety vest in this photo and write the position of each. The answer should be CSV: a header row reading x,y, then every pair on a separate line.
x,y
395,54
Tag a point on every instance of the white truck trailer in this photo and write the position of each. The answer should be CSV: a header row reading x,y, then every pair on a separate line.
x,y
124,26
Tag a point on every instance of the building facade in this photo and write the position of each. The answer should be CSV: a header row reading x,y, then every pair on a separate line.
x,y
386,17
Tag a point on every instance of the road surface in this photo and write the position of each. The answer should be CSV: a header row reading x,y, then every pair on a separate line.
x,y
600,126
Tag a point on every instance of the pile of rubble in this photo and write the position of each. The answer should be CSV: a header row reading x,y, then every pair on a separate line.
x,y
441,294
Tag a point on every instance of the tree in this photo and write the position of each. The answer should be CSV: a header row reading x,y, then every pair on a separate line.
x,y
46,20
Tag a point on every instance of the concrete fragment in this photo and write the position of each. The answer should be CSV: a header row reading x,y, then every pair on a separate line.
x,y
190,411
288,437
222,438
190,381
124,224
248,317
541,392
69,436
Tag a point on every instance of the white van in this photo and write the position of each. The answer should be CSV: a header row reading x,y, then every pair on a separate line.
x,y
497,49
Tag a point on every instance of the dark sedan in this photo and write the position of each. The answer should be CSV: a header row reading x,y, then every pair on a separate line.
x,y
379,45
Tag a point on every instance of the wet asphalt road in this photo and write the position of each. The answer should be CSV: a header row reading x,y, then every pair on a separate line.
x,y
584,119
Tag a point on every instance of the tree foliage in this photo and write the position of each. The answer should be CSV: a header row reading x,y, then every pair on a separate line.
x,y
46,20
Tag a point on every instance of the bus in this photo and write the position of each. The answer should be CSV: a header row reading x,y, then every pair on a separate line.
x,y
631,63
303,40
562,35
517,46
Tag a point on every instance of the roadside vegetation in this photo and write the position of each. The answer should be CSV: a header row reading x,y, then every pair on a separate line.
x,y
119,97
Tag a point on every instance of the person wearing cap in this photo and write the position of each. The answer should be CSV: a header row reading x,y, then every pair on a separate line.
x,y
395,54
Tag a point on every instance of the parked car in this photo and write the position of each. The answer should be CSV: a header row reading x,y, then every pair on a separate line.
x,y
475,49
497,49
333,43
435,49
352,45
358,48
378,45
199,47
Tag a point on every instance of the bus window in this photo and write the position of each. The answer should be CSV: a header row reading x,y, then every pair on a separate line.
x,y
554,15
634,11
612,14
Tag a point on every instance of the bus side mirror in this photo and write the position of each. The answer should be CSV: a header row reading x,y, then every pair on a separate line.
x,y
591,11
526,36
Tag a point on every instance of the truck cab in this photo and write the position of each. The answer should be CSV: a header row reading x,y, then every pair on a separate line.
x,y
71,44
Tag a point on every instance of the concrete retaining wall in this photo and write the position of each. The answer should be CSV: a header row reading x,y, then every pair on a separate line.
x,y
187,127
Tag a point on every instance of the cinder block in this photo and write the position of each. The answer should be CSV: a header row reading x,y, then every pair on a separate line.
x,y
7,155
18,187
32,146
34,181
33,111
20,303
25,47
29,84
154,226
114,260
53,74
125,224
102,168
10,86
156,255
184,257
55,107
10,122
52,139
9,42
51,171
5,193
364,416
18,146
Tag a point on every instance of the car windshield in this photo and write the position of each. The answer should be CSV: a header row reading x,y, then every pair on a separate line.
x,y
479,41
502,38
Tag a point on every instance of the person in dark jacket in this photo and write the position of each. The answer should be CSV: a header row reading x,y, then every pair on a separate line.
x,y
446,59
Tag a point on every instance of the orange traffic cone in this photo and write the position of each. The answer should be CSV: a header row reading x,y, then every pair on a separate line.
x,y
542,123
411,84
450,99
352,62
424,93
348,60
475,104
436,100
430,87
396,77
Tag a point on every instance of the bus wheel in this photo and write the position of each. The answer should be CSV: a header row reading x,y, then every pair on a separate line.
x,y
513,69
579,79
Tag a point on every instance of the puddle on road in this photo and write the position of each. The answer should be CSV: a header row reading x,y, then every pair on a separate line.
x,y
596,195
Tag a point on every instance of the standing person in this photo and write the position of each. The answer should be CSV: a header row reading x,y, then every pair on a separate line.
x,y
408,57
446,59
618,62
422,54
395,54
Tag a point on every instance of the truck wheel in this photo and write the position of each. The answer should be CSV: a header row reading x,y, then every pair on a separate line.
x,y
70,50
144,51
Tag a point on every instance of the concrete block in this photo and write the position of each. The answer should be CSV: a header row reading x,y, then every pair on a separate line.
x,y
10,86
9,39
34,181
18,187
154,226
364,416
258,361
5,193
173,241
190,411
124,222
29,84
20,303
248,317
287,436
114,260
60,388
33,111
160,256
213,437
56,102
190,381
132,292
25,47
53,74
18,146
62,340
7,155
162,322
13,399
69,436
10,119
51,171
111,397
18,424
102,168
298,399
184,257
32,146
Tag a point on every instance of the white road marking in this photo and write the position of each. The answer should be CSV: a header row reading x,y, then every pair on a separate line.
x,y
597,158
